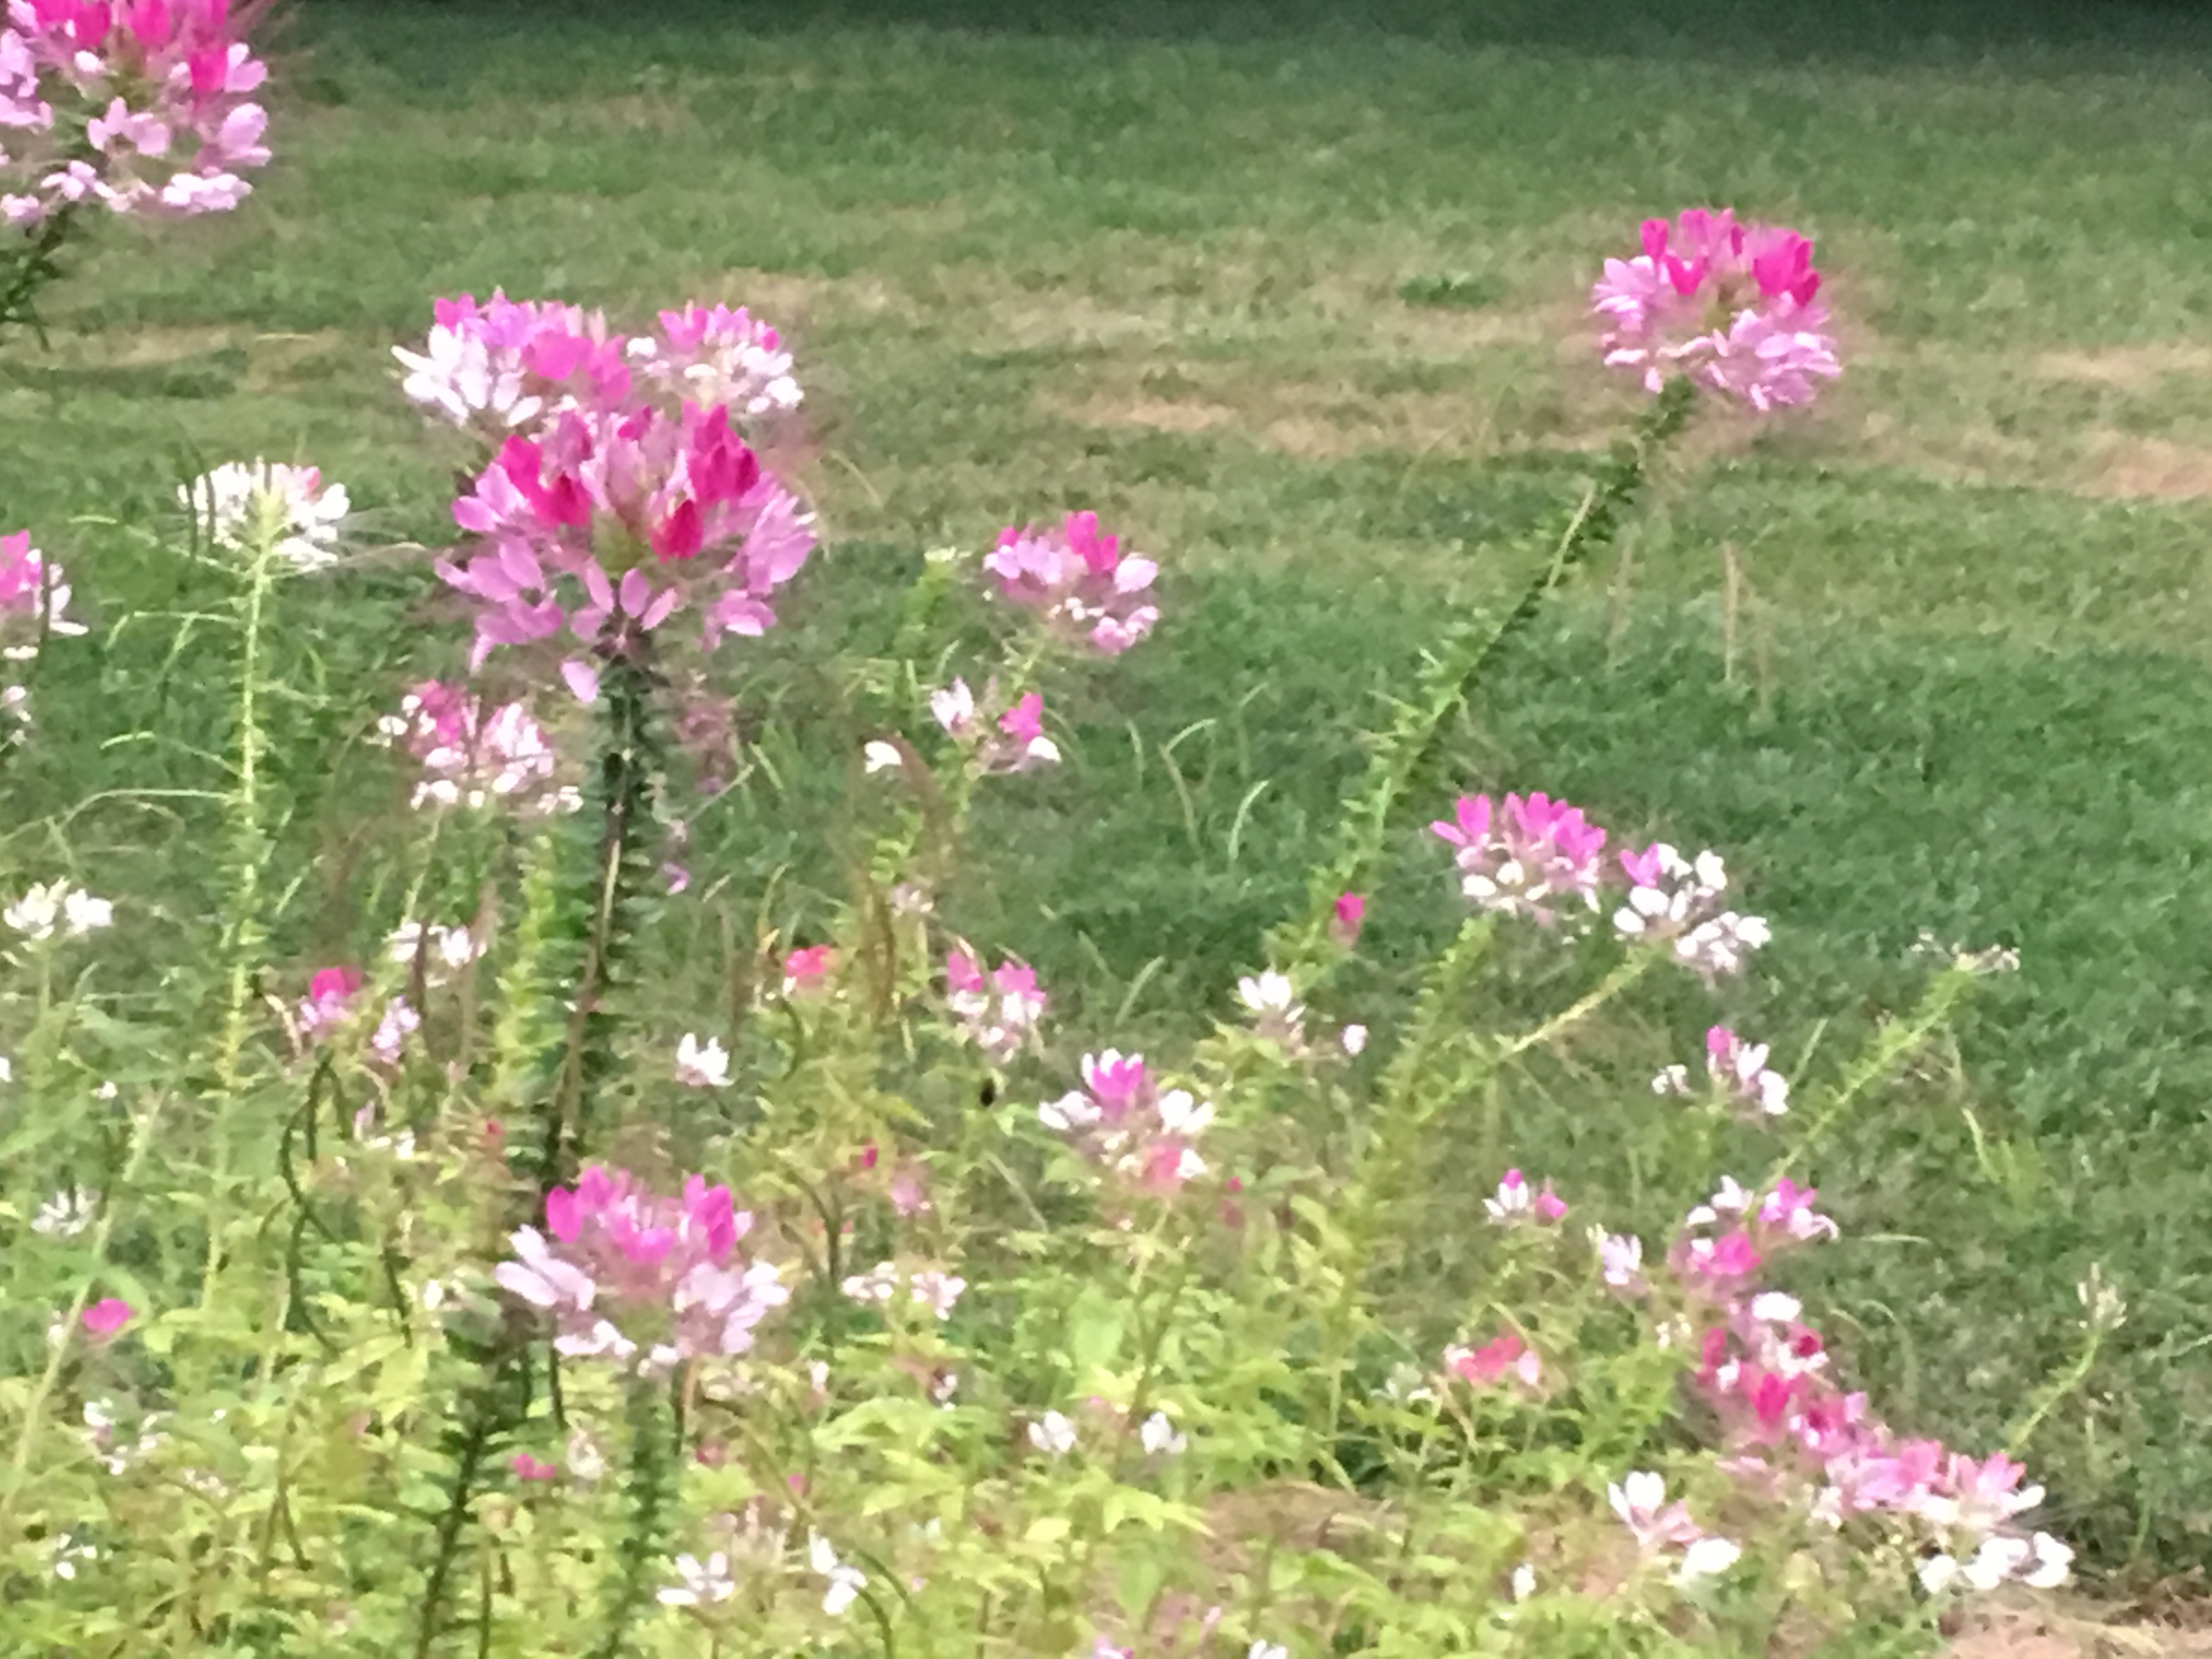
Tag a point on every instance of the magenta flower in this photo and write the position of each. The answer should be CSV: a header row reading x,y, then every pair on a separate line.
x,y
807,970
1516,1201
528,1468
33,599
1733,307
1014,741
158,90
105,1317
1345,921
647,1282
329,1001
1492,1362
998,1011
474,754
1122,1119
614,523
1523,861
1078,581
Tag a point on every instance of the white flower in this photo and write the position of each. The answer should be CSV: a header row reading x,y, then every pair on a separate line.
x,y
1354,1039
1523,1582
1671,1081
846,1583
704,1581
702,1065
1707,1557
2054,1562
399,1023
1159,1435
1266,1650
1621,1259
38,911
67,1554
936,1290
585,1462
240,503
1053,1435
66,1214
955,708
443,949
880,1285
880,756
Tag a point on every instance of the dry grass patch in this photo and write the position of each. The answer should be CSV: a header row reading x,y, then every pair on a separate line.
x,y
2131,468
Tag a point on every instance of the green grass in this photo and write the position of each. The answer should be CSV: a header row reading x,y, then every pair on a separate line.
x,y
1293,293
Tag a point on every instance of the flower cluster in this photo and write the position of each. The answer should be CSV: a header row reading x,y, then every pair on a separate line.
x,y
1788,1434
623,491
473,754
241,503
1526,859
1121,1116
144,107
930,1287
1733,307
642,1280
1540,858
1078,581
33,603
1678,899
1014,741
58,906
1516,1201
332,1004
998,1010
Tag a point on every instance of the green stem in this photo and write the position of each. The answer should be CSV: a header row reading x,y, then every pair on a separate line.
x,y
242,934
1404,754
37,263
656,1451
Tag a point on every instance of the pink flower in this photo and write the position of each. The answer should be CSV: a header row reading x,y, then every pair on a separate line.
x,y
33,599
473,755
528,1468
1678,900
105,1317
1517,1201
1141,1133
1350,911
1732,306
645,1281
399,1023
1640,1501
158,89
1537,852
329,1001
1078,581
1741,1069
1017,744
1504,1356
806,970
997,1013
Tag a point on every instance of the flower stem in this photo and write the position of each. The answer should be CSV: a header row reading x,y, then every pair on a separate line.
x,y
656,1449
37,263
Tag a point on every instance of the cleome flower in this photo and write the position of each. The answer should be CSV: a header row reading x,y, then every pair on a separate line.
x,y
1735,308
241,501
1524,859
998,1011
1121,1117
474,753
142,108
1078,581
34,598
642,1281
1013,741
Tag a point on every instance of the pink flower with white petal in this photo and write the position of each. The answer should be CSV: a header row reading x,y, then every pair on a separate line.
x,y
474,754
1524,859
1678,900
1009,739
1121,1118
158,90
998,1011
330,1001
1516,1201
1734,308
806,971
1078,581
1504,1356
643,1281
34,598
1740,1069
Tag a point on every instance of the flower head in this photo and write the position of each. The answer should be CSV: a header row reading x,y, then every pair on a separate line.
x,y
1516,1201
642,1280
1013,740
1526,858
474,754
105,1317
998,1011
58,906
241,503
1504,1356
1144,1135
1742,1070
1735,308
702,1065
157,88
34,598
1078,581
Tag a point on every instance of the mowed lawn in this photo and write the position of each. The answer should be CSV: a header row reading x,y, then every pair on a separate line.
x,y
1297,300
